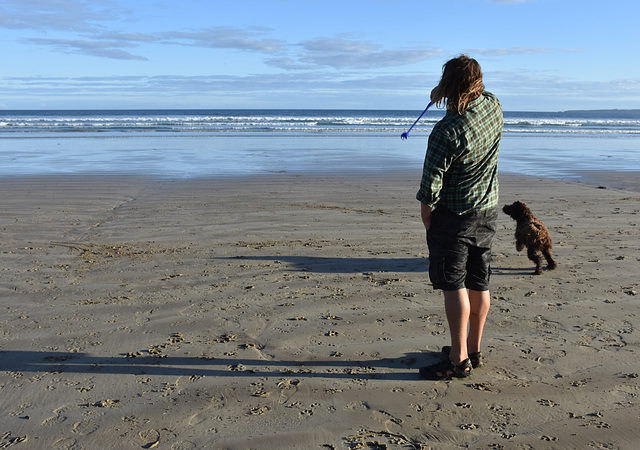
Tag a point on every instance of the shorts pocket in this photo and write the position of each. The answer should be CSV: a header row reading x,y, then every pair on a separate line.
x,y
447,275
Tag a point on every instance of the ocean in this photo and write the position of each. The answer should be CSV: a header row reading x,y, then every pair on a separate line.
x,y
219,143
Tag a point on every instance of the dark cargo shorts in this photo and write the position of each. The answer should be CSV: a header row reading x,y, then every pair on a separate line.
x,y
460,249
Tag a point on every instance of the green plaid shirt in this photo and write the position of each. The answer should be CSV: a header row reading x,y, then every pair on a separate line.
x,y
461,166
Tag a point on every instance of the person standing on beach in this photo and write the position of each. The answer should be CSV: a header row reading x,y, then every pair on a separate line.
x,y
458,195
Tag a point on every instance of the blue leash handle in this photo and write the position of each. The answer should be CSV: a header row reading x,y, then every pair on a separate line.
x,y
406,135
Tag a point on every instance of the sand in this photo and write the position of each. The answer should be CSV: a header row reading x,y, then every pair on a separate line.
x,y
291,311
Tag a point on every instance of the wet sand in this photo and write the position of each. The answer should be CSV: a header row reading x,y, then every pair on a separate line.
x,y
294,312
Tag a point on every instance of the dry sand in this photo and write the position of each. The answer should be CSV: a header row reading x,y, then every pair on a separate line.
x,y
294,312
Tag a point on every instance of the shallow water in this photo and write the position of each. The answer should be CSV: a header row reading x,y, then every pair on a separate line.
x,y
235,143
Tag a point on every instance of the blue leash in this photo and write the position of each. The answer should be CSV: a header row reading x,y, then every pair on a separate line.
x,y
406,135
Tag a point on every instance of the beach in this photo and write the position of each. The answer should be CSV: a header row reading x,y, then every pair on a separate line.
x,y
293,311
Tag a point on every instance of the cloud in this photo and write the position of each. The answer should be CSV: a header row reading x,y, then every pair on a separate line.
x,y
177,85
45,15
126,37
556,89
286,63
337,44
104,49
90,28
229,38
510,51
311,89
84,18
341,53
110,44
316,54
370,60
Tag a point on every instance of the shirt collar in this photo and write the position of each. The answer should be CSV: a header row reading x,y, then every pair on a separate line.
x,y
476,101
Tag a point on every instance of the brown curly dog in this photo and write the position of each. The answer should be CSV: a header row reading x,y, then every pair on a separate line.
x,y
532,233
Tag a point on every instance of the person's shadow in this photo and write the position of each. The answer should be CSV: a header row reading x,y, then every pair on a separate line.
x,y
404,367
322,264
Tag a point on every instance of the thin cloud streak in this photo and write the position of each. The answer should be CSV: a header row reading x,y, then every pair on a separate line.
x,y
227,38
506,84
340,53
331,45
101,49
47,15
370,60
171,85
516,51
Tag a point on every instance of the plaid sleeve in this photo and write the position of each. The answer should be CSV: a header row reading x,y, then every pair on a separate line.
x,y
436,163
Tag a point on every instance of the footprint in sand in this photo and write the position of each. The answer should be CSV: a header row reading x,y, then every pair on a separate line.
x,y
287,390
85,427
391,423
149,438
153,438
199,417
58,418
183,445
66,444
357,406
54,420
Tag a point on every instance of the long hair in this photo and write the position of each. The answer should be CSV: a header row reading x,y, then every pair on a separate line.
x,y
461,83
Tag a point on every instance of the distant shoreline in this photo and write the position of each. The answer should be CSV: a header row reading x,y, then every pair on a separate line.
x,y
635,112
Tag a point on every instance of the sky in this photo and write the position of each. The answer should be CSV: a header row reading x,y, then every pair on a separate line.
x,y
536,55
